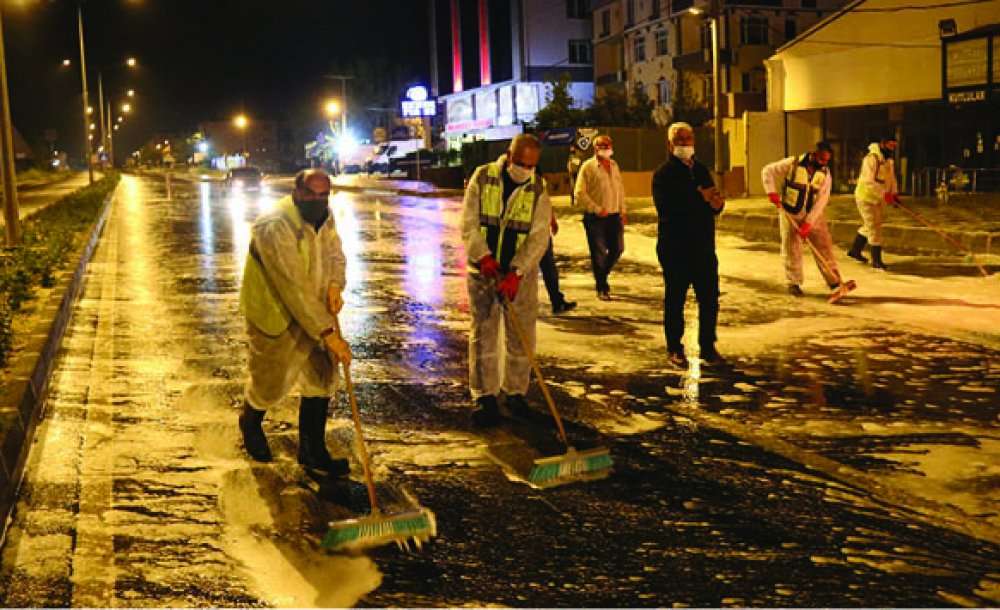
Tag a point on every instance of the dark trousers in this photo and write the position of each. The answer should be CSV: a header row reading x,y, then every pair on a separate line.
x,y
551,276
606,238
681,271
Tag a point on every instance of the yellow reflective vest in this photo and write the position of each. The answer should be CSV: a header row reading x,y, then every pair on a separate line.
x,y
506,229
259,301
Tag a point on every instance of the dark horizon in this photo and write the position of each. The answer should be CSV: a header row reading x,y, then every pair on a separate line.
x,y
200,61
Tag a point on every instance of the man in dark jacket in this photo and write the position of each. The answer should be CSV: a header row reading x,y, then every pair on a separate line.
x,y
687,203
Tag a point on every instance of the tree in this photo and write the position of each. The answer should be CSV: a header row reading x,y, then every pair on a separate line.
x,y
687,107
614,109
559,108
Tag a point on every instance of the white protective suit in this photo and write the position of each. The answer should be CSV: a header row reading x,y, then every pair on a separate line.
x,y
299,264
878,177
774,176
484,303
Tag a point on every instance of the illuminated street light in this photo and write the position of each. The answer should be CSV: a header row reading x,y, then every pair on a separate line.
x,y
93,127
131,62
332,108
126,108
90,110
159,146
131,92
241,121
116,127
67,63
120,119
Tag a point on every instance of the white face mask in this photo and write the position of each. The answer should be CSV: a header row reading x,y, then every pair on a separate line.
x,y
605,153
519,174
683,152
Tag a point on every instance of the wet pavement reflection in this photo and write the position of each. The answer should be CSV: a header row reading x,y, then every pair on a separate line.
x,y
844,458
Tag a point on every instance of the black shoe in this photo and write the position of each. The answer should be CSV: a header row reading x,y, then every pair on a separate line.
x,y
312,439
877,259
678,359
711,356
254,440
859,245
563,307
487,413
795,291
604,295
518,407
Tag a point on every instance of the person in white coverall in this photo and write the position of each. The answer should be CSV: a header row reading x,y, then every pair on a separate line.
x,y
801,187
876,188
292,284
505,229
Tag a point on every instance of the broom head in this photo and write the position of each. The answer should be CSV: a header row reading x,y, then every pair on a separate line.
x,y
379,528
572,466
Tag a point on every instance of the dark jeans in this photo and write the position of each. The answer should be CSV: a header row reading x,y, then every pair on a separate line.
x,y
681,271
551,276
606,238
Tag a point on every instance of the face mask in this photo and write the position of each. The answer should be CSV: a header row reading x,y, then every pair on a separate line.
x,y
683,152
888,154
519,174
605,153
312,211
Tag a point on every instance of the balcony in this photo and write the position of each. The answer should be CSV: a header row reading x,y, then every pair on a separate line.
x,y
695,61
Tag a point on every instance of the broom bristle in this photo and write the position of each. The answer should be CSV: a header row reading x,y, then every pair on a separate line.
x,y
375,530
573,466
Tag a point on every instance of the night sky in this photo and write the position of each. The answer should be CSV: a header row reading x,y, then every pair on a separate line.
x,y
202,59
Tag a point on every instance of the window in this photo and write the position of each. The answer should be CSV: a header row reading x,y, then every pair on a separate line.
x,y
663,91
639,49
754,81
579,52
606,22
629,13
654,9
808,3
753,29
662,43
791,30
706,35
577,9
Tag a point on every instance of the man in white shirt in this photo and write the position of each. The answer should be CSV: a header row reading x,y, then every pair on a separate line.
x,y
599,190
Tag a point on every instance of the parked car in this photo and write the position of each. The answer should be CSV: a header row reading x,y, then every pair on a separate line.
x,y
245,178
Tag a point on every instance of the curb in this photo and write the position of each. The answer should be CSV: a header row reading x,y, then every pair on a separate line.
x,y
23,400
907,239
399,191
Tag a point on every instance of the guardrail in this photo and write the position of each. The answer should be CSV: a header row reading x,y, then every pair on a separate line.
x,y
927,181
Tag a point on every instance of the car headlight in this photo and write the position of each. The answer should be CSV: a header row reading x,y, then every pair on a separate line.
x,y
238,183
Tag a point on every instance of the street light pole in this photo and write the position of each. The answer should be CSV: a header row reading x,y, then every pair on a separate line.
x,y
343,100
100,105
83,77
111,135
12,216
716,93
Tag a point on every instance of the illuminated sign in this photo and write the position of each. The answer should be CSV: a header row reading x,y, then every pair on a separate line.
x,y
970,66
959,97
417,104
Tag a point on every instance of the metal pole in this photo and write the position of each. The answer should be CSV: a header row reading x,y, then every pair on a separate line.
x,y
100,107
716,95
343,110
83,78
111,136
12,216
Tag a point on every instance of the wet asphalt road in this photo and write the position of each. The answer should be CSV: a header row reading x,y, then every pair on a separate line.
x,y
844,458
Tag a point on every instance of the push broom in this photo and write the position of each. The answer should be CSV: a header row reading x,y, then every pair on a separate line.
x,y
572,466
919,217
377,528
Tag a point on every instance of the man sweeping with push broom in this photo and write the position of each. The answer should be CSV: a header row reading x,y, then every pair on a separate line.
x,y
505,229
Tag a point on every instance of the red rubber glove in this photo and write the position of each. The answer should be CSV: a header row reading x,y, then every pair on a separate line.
x,y
508,286
489,266
775,199
895,199
890,198
805,229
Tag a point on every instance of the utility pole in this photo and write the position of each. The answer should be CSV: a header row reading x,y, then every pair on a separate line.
x,y
715,16
83,77
11,212
343,99
100,107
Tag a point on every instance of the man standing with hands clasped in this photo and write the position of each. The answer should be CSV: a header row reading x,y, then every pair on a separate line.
x,y
505,228
687,203
600,191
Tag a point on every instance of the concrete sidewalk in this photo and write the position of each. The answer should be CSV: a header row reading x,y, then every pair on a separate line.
x,y
971,220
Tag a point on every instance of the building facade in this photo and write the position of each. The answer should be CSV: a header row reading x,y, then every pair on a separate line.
x,y
491,61
664,48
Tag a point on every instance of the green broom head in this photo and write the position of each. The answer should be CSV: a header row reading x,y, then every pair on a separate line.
x,y
573,466
377,529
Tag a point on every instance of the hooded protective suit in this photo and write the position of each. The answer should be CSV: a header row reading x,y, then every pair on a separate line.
x,y
288,271
878,177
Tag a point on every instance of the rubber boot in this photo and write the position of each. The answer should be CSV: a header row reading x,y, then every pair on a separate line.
x,y
254,440
487,413
877,258
860,241
312,439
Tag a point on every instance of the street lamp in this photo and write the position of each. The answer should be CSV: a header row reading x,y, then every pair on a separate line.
x,y
131,93
126,108
241,122
90,110
130,62
67,63
713,22
332,108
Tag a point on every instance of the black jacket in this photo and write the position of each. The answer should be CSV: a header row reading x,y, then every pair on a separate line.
x,y
686,220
